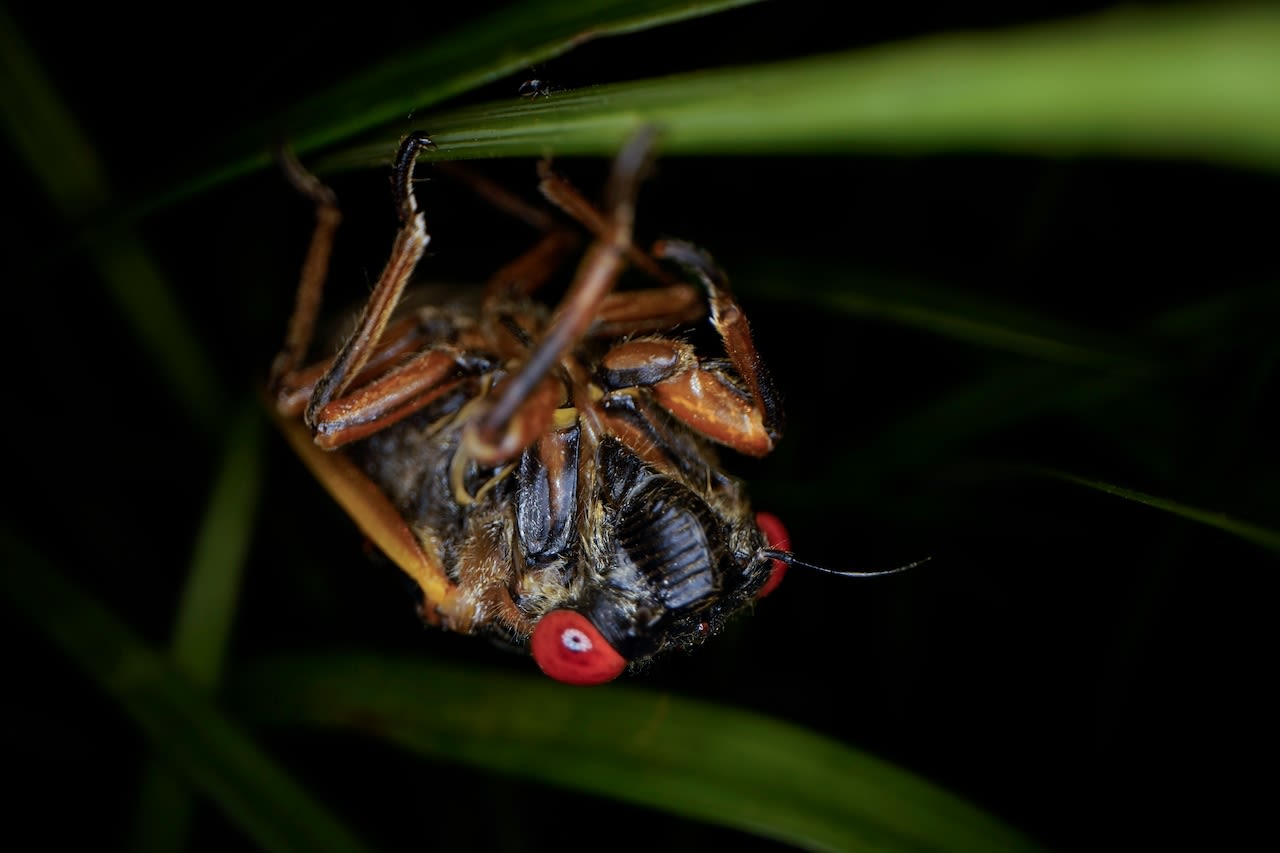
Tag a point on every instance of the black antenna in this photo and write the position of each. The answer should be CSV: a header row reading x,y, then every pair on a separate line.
x,y
792,560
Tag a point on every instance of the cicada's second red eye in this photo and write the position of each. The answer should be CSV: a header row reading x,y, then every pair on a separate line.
x,y
777,537
567,647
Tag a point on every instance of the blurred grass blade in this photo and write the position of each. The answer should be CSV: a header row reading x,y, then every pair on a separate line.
x,y
1266,537
505,42
696,759
945,311
192,735
212,590
203,630
50,144
1188,82
999,398
994,401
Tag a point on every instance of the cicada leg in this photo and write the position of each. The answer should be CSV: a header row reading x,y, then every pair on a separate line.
x,y
637,311
308,392
640,311
520,412
530,271
363,388
411,241
702,395
705,398
315,268
402,338
387,371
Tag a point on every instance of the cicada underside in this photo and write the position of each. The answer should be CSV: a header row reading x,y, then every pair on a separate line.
x,y
548,476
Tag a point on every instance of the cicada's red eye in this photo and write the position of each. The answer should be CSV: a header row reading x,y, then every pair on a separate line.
x,y
567,647
776,535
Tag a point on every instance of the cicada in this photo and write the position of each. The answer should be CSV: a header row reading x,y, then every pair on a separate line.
x,y
547,475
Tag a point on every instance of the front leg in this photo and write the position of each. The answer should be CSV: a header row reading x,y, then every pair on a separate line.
x,y
411,242
368,353
523,405
703,393
306,307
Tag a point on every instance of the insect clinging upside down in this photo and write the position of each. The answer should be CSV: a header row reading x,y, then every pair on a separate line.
x,y
547,477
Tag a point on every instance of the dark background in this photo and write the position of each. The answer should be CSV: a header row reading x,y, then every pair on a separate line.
x,y
1091,670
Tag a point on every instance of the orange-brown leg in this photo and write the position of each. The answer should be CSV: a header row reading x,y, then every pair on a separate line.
x,y
636,311
288,379
387,388
701,394
369,385
645,310
731,324
399,340
566,197
411,241
519,412
315,268
366,362
408,370
531,270
393,396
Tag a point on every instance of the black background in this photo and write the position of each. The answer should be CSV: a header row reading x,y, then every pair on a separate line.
x,y
1089,669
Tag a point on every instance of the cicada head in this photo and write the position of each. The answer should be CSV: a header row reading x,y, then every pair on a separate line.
x,y
676,574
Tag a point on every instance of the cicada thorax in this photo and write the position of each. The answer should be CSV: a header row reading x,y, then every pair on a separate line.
x,y
617,512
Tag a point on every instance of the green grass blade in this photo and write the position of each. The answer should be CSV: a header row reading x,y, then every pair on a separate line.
x,y
502,43
1197,82
51,145
209,599
708,762
1077,374
992,403
43,132
1266,537
164,811
948,312
194,736
205,615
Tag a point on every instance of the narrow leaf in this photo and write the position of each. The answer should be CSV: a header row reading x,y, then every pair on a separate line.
x,y
1267,537
205,616
505,42
209,599
949,312
1187,82
704,761
53,148
195,738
